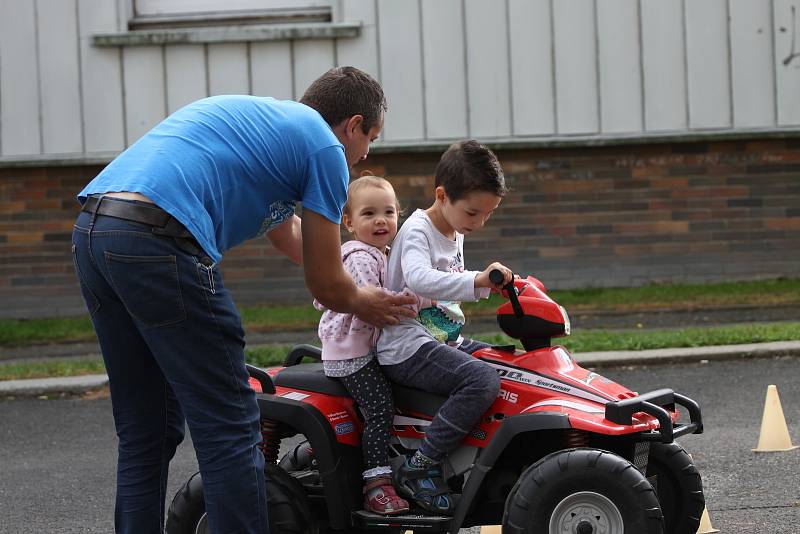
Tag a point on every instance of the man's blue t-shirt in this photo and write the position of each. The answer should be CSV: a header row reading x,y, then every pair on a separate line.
x,y
230,168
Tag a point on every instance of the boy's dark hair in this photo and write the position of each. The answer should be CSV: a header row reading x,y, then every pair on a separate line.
x,y
343,92
469,166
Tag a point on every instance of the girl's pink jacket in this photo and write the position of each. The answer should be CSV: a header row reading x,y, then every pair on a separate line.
x,y
345,336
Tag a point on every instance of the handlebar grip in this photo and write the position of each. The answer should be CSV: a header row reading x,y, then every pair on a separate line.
x,y
496,276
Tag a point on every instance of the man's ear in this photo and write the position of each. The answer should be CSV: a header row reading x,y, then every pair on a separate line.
x,y
354,124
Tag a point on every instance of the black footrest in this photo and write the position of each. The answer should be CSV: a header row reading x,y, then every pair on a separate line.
x,y
431,523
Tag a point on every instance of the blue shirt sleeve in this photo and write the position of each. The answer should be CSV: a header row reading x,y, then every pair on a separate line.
x,y
327,176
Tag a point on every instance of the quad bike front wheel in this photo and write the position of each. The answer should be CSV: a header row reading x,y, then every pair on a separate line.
x,y
679,487
287,504
582,491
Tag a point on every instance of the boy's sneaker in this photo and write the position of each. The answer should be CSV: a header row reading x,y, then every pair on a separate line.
x,y
381,498
426,487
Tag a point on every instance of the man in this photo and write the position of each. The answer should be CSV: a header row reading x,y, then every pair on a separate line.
x,y
154,224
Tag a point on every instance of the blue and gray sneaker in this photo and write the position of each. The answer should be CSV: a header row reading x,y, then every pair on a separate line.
x,y
426,487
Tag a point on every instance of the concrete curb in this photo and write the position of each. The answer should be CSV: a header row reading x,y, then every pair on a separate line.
x,y
690,354
80,384
36,387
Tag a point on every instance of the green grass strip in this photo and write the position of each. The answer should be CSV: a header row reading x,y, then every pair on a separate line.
x,y
604,340
270,318
51,368
273,317
585,341
17,332
758,293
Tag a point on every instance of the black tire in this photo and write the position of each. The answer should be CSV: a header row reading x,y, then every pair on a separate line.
x,y
289,512
601,487
679,487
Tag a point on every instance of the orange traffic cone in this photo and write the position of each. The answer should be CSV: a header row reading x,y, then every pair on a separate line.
x,y
705,524
774,432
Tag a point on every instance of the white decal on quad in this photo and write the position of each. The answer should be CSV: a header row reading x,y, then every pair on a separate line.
x,y
588,379
533,379
508,396
294,395
567,404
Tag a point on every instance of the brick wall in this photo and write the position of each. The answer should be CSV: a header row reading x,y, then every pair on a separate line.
x,y
575,217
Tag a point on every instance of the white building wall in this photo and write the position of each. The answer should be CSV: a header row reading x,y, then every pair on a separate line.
x,y
497,70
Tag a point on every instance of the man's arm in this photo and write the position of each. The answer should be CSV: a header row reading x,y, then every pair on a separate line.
x,y
330,284
288,239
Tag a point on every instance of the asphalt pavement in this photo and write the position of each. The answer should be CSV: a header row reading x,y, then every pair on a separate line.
x,y
59,455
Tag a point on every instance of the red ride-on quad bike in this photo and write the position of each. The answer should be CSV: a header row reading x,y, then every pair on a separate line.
x,y
562,450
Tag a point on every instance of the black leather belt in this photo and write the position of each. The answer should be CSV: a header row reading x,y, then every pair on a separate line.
x,y
161,222
130,211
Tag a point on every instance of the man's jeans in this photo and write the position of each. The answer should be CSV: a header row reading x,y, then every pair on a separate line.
x,y
173,347
470,384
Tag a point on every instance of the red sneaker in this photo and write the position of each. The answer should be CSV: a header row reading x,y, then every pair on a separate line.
x,y
384,500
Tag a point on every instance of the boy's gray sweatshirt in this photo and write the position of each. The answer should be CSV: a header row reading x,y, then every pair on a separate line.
x,y
425,261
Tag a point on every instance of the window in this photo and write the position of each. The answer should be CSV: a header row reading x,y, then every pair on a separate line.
x,y
183,13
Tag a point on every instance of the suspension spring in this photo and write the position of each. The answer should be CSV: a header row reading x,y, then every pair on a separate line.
x,y
271,440
576,438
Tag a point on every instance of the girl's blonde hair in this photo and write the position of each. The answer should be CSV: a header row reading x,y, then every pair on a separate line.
x,y
368,180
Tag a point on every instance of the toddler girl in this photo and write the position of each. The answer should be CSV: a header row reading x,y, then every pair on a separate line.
x,y
348,344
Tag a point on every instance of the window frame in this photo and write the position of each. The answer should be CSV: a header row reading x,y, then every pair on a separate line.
x,y
223,30
229,17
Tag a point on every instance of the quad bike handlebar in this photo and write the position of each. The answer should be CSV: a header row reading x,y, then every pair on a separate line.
x,y
496,277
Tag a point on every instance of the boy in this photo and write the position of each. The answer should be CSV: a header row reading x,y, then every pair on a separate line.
x,y
429,352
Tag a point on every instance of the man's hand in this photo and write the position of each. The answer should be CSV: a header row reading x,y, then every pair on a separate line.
x,y
380,308
482,279
330,284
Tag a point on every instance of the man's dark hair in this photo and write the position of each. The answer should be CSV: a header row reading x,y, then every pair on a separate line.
x,y
343,92
468,166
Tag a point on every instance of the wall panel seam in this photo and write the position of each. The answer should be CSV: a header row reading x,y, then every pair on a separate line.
x,y
464,37
642,99
125,137
422,71
38,73
164,77
294,70
511,123
731,109
776,114
249,54
598,88
1,107
687,105
553,67
379,63
81,107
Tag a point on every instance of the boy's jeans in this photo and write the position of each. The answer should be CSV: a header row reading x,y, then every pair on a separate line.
x,y
470,384
173,347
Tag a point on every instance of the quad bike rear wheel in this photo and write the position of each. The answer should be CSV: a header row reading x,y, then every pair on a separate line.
x,y
288,509
582,491
679,487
